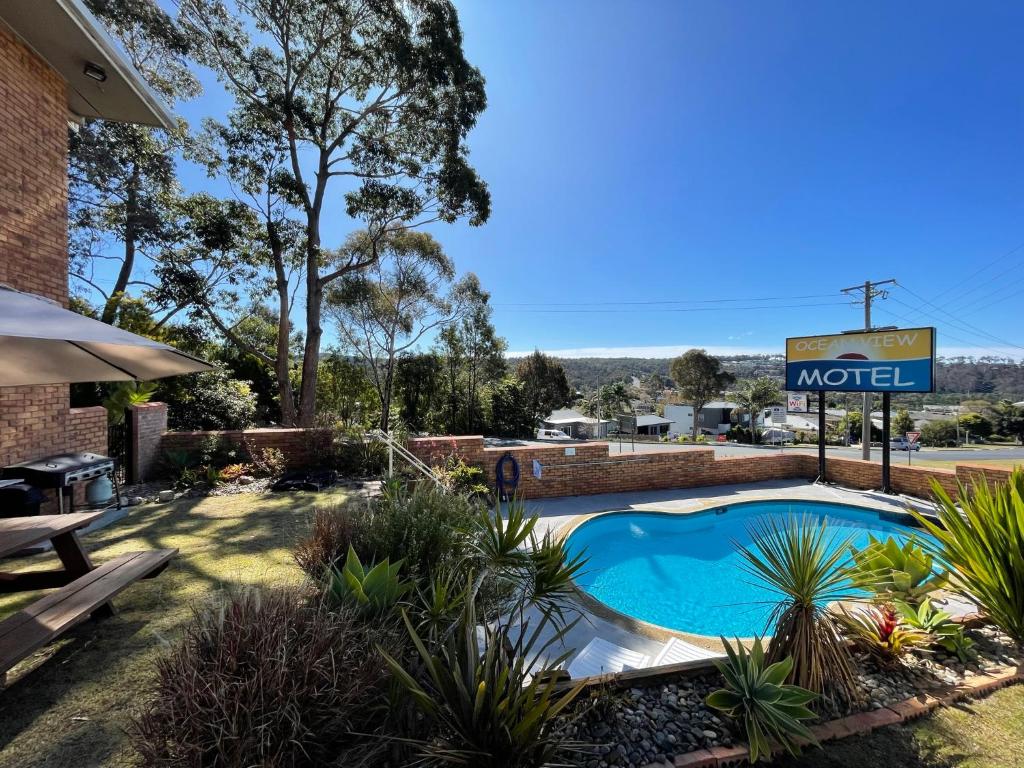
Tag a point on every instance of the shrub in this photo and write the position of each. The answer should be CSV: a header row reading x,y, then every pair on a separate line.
x,y
799,559
756,696
332,532
371,591
232,472
266,462
359,457
940,627
895,572
263,678
208,400
496,705
459,477
941,434
981,541
880,631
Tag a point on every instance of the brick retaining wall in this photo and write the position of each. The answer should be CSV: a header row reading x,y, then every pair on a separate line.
x,y
301,447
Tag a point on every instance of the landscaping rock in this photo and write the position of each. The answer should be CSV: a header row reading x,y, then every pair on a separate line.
x,y
165,496
246,479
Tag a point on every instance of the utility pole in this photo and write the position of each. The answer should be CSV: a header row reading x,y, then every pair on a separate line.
x,y
868,291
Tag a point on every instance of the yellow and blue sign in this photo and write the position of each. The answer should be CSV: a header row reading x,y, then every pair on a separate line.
x,y
873,361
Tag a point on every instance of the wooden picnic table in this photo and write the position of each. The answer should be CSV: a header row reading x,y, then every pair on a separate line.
x,y
79,589
18,533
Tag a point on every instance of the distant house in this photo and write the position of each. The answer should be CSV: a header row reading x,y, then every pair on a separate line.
x,y
716,417
652,424
575,424
681,418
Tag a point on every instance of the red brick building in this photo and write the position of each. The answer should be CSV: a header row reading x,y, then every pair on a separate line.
x,y
57,67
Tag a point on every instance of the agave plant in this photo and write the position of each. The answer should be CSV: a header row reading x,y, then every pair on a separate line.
x,y
372,590
880,631
757,696
798,558
980,538
493,703
939,626
896,572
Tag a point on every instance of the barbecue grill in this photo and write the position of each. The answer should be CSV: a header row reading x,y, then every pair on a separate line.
x,y
63,471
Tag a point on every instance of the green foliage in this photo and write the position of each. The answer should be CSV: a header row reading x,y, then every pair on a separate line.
x,y
124,395
902,423
754,395
700,379
494,705
545,385
939,626
981,540
976,424
895,572
940,434
1008,419
371,591
209,400
511,414
880,631
265,462
757,696
799,559
459,477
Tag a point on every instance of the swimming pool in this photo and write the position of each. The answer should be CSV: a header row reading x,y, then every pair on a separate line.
x,y
683,571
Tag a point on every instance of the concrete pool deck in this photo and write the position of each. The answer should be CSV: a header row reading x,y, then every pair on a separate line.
x,y
559,514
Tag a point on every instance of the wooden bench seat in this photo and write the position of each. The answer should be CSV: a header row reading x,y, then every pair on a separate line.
x,y
38,624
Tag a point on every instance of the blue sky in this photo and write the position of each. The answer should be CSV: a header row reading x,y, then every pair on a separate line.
x,y
694,152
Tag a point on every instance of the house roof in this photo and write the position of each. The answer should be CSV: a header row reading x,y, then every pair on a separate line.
x,y
721,404
68,37
570,416
651,420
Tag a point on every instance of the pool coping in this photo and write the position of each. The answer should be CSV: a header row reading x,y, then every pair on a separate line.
x,y
657,632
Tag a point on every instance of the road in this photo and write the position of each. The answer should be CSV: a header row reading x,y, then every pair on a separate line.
x,y
925,454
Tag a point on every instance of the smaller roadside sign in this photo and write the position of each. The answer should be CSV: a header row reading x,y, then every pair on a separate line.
x,y
913,437
778,415
796,402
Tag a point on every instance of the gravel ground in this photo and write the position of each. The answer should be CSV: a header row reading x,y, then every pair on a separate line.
x,y
638,726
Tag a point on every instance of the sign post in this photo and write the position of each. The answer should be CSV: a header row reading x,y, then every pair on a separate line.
x,y
912,438
896,360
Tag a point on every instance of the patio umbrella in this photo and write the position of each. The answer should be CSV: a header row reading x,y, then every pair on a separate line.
x,y
43,343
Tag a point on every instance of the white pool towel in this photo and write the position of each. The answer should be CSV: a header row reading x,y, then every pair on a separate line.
x,y
600,657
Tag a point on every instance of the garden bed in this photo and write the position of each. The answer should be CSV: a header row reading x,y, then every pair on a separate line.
x,y
650,724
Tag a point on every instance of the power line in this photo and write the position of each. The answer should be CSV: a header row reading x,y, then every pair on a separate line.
x,y
625,310
954,320
912,321
666,301
977,272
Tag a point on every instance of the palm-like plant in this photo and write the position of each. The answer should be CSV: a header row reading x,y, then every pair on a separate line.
x,y
980,538
757,696
495,705
800,559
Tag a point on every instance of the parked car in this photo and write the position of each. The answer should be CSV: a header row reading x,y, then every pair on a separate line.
x,y
902,444
552,434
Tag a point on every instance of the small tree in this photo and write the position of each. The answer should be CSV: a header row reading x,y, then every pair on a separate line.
x,y
1008,419
902,422
976,424
754,395
386,310
700,379
545,383
939,433
510,412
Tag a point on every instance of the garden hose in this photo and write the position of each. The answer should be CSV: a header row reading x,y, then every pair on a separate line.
x,y
506,488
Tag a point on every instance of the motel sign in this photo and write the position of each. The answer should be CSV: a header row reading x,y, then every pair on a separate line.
x,y
873,361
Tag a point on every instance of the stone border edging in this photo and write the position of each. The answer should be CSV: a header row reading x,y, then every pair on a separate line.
x,y
862,722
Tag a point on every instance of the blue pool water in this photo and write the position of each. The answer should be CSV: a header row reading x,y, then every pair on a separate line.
x,y
684,572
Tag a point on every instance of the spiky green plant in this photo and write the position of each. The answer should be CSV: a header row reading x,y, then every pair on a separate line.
x,y
940,628
800,559
757,696
894,571
881,632
980,538
493,705
372,590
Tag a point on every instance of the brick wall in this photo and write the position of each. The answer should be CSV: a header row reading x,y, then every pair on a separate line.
x,y
592,470
148,422
36,421
301,447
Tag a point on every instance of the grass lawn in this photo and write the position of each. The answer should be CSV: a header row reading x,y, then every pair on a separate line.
x,y
1002,463
71,710
981,734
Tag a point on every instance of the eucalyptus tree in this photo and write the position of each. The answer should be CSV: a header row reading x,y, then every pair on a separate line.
x,y
545,384
371,103
122,181
385,310
700,379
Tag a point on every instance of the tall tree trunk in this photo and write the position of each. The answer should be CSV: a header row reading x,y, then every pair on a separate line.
x,y
314,299
124,274
282,360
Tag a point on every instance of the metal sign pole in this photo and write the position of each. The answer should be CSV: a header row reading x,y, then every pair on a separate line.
x,y
886,486
821,436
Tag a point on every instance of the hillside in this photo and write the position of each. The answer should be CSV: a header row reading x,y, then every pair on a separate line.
x,y
986,377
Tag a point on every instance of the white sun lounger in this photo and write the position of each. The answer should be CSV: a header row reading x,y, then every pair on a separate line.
x,y
600,657
676,651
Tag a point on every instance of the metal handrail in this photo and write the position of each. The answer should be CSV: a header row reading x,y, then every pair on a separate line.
x,y
396,447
